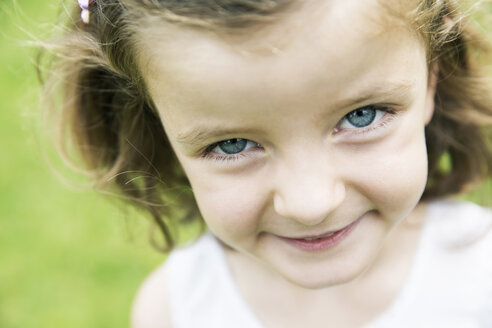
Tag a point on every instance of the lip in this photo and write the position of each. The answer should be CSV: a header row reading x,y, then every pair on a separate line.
x,y
321,242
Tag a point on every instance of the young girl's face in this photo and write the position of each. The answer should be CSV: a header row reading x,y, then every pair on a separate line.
x,y
310,126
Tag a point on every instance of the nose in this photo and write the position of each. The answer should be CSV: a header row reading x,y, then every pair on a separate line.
x,y
308,191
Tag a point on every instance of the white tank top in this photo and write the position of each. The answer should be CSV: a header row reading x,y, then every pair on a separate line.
x,y
449,285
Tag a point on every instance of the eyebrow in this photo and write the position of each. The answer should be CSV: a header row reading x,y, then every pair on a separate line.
x,y
377,92
200,134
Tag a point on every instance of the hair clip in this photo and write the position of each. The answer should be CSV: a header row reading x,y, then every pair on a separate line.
x,y
84,5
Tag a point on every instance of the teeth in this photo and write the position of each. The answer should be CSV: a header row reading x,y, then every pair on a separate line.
x,y
325,236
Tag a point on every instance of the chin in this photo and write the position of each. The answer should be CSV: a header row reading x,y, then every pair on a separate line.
x,y
314,279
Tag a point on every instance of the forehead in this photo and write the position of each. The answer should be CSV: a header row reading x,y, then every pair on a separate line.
x,y
343,39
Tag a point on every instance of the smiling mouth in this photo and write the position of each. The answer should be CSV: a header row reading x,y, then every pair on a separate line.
x,y
321,242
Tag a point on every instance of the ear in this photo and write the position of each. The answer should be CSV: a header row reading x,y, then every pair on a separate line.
x,y
431,92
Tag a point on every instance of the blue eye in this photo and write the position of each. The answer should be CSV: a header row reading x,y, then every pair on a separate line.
x,y
361,117
232,146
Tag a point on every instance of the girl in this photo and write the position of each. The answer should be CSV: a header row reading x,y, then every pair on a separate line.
x,y
319,140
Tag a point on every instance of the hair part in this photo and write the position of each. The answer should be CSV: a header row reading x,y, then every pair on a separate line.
x,y
107,116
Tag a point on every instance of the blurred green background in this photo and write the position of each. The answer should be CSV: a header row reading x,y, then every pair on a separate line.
x,y
68,257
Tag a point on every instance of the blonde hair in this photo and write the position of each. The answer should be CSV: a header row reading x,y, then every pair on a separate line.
x,y
107,115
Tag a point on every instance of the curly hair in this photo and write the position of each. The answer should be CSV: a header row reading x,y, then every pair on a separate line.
x,y
106,115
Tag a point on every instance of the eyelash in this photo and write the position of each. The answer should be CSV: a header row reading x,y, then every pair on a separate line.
x,y
209,154
388,115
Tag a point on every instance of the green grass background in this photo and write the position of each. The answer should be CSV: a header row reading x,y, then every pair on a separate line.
x,y
68,258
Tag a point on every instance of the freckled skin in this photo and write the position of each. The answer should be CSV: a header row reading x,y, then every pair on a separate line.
x,y
307,177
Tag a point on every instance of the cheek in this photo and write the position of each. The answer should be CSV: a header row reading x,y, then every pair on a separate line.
x,y
395,171
231,207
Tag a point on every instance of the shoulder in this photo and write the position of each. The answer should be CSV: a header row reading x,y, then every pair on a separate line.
x,y
460,223
163,298
151,308
450,278
458,247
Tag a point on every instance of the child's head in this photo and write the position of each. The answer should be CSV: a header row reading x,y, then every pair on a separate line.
x,y
288,118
